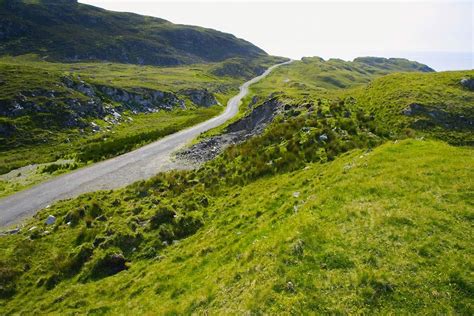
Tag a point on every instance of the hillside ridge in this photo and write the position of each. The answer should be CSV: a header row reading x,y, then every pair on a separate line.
x,y
69,31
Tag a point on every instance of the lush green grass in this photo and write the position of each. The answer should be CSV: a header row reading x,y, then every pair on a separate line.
x,y
372,232
448,105
287,222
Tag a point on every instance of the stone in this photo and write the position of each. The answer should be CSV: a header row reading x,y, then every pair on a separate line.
x,y
13,231
50,220
200,97
468,83
290,286
296,194
323,137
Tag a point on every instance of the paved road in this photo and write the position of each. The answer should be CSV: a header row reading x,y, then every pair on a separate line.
x,y
117,172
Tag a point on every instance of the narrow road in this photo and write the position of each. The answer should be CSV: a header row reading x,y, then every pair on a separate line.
x,y
117,172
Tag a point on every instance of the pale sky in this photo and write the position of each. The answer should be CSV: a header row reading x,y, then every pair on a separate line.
x,y
439,33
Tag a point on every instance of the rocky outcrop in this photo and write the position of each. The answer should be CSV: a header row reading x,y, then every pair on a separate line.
x,y
430,116
237,132
76,102
142,100
200,97
467,83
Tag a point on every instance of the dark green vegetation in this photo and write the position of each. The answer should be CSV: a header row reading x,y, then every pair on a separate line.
x,y
335,208
64,30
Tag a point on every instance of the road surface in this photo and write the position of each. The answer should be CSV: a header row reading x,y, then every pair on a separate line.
x,y
117,172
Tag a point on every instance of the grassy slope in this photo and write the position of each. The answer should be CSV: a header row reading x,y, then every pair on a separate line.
x,y
379,231
70,31
47,144
382,230
314,78
437,91
144,129
385,97
39,142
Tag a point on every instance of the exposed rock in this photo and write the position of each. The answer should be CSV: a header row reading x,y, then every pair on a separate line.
x,y
50,220
468,83
7,129
200,97
142,100
11,232
95,127
237,132
323,138
431,116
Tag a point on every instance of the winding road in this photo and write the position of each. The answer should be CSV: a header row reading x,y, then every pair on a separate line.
x,y
117,172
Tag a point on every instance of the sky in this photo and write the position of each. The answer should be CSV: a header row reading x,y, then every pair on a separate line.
x,y
438,33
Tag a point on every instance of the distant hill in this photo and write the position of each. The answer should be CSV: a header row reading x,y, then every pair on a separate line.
x,y
337,73
65,30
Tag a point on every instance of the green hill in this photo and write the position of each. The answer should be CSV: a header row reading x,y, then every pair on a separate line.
x,y
68,31
372,232
316,73
332,210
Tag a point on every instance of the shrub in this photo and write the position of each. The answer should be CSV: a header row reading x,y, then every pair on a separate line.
x,y
8,276
164,215
104,264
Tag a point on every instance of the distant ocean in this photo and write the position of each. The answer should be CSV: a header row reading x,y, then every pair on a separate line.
x,y
439,61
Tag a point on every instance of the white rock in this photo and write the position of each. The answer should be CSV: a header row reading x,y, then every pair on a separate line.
x,y
32,228
296,194
50,220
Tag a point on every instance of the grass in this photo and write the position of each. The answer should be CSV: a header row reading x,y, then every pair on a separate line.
x,y
144,129
314,78
441,94
53,30
369,219
363,235
44,137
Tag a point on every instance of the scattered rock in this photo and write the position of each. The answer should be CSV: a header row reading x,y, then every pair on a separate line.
x,y
95,127
468,83
296,194
12,231
323,138
290,286
50,220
